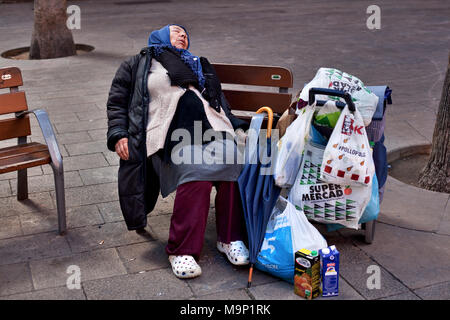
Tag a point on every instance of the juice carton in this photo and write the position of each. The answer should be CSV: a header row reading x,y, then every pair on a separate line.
x,y
329,270
307,274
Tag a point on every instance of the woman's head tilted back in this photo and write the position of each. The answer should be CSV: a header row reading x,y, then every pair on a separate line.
x,y
179,37
170,35
174,37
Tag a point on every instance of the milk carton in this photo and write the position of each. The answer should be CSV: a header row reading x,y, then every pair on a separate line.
x,y
329,271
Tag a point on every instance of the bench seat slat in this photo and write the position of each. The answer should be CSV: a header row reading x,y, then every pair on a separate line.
x,y
18,150
23,156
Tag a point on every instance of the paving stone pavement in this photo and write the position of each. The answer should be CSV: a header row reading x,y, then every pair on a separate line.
x,y
409,53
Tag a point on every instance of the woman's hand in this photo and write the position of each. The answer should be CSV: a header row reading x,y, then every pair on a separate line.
x,y
122,148
241,137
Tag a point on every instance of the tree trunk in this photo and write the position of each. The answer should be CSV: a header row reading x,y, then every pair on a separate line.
x,y
51,38
436,175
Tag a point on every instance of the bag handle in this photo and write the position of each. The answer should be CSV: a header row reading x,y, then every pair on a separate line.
x,y
331,92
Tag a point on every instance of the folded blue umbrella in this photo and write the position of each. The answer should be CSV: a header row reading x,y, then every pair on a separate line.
x,y
257,187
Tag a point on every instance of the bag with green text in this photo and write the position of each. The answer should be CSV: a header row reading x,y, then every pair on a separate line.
x,y
364,99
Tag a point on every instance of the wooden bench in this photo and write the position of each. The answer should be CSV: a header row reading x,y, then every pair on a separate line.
x,y
15,123
245,100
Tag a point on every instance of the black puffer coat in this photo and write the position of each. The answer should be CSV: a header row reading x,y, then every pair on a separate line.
x,y
127,110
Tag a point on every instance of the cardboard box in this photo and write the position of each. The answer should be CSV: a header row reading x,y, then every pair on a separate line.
x,y
307,274
329,270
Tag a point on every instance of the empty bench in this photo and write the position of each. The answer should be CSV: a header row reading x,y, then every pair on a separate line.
x,y
15,123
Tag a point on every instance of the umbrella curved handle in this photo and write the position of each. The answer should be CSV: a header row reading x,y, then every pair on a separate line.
x,y
270,115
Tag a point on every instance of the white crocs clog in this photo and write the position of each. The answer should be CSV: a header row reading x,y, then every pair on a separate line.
x,y
236,251
185,267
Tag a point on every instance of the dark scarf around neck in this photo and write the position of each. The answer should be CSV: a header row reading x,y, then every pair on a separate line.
x,y
181,75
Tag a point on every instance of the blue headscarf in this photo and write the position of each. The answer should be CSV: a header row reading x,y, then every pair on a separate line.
x,y
160,39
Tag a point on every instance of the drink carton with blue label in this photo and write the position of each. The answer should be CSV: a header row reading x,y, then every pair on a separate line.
x,y
329,271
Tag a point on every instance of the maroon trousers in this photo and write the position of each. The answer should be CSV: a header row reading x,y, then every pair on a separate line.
x,y
190,213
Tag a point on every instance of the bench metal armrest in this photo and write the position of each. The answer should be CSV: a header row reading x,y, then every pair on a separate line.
x,y
49,136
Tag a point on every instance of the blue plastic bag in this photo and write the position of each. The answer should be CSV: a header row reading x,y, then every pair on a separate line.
x,y
288,231
373,207
276,256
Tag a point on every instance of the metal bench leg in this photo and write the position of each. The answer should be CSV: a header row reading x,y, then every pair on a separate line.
x,y
58,174
22,177
22,184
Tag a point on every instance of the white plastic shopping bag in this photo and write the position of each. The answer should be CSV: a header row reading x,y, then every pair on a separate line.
x,y
364,99
290,148
288,231
348,158
326,202
305,235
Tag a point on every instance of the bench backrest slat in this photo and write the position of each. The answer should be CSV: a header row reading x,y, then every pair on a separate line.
x,y
254,75
12,102
13,128
252,101
10,77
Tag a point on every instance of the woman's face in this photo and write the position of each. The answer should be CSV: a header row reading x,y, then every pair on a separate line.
x,y
178,37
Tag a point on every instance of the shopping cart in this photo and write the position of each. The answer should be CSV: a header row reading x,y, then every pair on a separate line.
x,y
375,133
